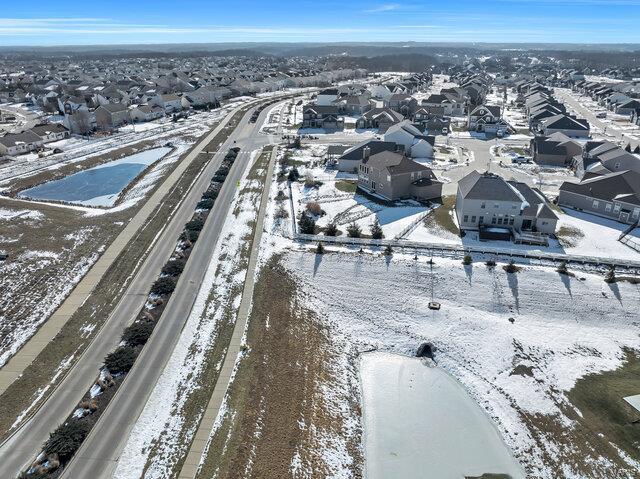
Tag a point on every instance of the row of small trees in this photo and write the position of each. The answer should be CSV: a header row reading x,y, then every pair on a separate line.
x,y
68,437
307,225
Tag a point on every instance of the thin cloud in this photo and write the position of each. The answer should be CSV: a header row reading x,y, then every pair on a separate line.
x,y
387,7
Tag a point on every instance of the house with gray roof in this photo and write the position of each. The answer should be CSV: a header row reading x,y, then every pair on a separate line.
x,y
392,176
614,195
486,200
14,144
487,119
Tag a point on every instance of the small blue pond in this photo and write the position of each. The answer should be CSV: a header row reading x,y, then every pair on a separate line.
x,y
99,186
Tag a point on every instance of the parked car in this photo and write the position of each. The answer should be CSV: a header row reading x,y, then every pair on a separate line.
x,y
521,159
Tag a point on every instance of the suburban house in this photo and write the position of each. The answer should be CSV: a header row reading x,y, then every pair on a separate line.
x,y
353,104
416,144
403,104
432,119
451,104
319,116
14,144
603,157
51,132
628,107
170,102
112,115
381,92
569,125
352,157
327,97
393,176
501,209
555,150
487,119
146,113
380,118
615,196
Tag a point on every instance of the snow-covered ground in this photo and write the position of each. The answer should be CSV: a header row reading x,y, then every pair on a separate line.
x,y
563,328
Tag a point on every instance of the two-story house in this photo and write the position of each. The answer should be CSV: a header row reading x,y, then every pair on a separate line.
x,y
393,176
487,119
486,200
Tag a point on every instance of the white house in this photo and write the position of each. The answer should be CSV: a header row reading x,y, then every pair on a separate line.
x,y
414,142
327,97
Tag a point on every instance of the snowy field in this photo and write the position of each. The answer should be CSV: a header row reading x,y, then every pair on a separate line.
x,y
381,303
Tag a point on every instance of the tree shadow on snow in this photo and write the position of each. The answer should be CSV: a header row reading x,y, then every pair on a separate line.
x,y
615,289
566,280
468,269
512,279
316,263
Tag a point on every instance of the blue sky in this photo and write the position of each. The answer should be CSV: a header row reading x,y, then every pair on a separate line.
x,y
37,22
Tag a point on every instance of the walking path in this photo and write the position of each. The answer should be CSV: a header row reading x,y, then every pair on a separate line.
x,y
199,443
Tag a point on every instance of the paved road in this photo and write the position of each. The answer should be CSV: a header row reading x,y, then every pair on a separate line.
x,y
483,161
20,449
198,445
566,97
100,452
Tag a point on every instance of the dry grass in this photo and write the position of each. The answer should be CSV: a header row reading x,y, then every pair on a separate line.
x,y
278,384
440,217
569,236
606,422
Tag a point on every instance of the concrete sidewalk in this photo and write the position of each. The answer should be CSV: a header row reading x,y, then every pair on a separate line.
x,y
199,443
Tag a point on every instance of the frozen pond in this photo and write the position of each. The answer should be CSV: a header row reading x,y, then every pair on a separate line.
x,y
98,186
420,422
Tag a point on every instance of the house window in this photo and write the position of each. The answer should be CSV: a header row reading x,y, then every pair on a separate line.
x,y
636,213
493,220
466,219
617,165
511,221
389,178
483,205
473,219
616,208
499,221
481,220
607,207
496,205
596,204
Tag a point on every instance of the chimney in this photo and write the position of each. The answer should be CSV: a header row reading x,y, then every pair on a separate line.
x,y
366,152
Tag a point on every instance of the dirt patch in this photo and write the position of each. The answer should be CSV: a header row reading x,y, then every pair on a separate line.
x,y
277,415
569,236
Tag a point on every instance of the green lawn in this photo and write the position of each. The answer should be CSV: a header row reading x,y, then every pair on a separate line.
x,y
346,186
599,397
441,216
